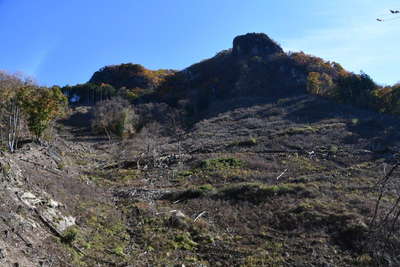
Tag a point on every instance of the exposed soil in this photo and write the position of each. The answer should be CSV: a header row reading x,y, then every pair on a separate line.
x,y
256,182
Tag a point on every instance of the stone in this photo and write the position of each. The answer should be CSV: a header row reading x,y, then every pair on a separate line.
x,y
30,199
255,44
179,220
53,204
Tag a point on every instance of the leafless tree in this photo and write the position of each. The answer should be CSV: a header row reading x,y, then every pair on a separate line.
x,y
385,222
114,116
10,112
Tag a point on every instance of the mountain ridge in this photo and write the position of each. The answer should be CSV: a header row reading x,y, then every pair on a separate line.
x,y
256,65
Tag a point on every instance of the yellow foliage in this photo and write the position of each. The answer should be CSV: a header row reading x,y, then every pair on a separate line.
x,y
41,106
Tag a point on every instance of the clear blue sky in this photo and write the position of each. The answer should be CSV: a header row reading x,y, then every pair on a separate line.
x,y
65,41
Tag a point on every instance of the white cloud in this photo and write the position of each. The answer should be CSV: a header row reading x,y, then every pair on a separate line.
x,y
35,63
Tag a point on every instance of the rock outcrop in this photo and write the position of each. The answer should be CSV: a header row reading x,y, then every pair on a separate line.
x,y
255,44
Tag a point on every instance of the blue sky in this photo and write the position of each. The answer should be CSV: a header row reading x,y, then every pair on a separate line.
x,y
64,42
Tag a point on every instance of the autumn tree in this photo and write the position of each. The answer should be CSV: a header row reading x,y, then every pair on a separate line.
x,y
10,110
320,84
356,89
41,105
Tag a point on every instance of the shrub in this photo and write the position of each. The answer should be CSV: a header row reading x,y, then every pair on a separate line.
x,y
186,194
69,236
221,163
114,116
257,193
244,143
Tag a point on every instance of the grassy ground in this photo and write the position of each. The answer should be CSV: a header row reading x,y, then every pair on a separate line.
x,y
286,182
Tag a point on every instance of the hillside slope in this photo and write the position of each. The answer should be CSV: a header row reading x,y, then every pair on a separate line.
x,y
263,182
277,182
234,163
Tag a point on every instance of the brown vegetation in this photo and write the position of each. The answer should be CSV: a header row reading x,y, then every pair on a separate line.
x,y
234,161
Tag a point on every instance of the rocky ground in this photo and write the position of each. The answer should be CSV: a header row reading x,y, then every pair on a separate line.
x,y
256,182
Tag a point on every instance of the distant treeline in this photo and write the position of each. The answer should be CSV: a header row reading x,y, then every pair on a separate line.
x,y
89,93
331,80
129,81
267,72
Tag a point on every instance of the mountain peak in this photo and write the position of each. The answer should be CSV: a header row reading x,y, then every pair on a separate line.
x,y
255,44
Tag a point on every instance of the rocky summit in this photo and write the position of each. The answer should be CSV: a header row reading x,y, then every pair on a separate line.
x,y
255,44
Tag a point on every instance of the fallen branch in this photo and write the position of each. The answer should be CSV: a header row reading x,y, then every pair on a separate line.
x,y
283,173
198,216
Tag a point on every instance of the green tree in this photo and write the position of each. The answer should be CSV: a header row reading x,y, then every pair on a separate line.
x,y
10,112
356,89
41,106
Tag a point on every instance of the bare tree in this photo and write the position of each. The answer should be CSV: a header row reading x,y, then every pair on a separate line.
x,y
114,116
384,241
10,112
